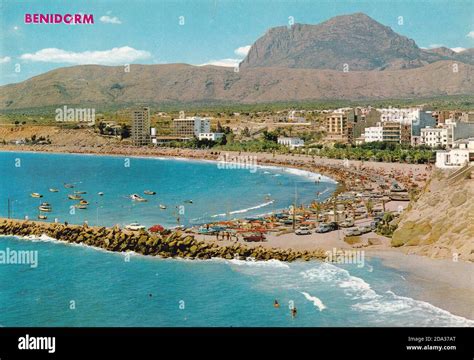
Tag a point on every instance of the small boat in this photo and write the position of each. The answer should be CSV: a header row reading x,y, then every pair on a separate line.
x,y
135,226
80,192
68,186
45,207
84,202
36,195
136,197
74,197
188,201
42,217
53,190
162,207
149,192
80,206
399,197
397,188
100,193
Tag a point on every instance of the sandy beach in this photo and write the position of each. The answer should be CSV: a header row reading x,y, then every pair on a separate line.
x,y
441,282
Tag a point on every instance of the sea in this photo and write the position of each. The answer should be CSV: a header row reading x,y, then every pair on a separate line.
x,y
76,285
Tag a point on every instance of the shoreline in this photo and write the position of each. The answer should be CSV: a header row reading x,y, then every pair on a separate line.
x,y
443,283
436,281
426,278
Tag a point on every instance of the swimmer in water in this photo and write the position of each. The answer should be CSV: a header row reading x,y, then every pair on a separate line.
x,y
276,304
293,312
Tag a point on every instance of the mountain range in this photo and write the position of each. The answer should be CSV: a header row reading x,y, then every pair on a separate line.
x,y
350,57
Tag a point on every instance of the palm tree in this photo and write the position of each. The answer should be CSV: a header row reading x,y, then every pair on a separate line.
x,y
369,205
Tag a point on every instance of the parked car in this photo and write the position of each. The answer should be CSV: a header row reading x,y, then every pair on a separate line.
x,y
353,232
347,223
334,225
254,238
304,230
324,228
365,229
134,227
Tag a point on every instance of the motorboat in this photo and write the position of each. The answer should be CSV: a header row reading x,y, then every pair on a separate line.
x,y
68,186
36,195
74,197
84,202
136,197
162,207
45,207
149,192
53,190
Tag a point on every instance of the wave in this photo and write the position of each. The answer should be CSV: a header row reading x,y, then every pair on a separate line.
x,y
48,239
420,313
416,310
316,301
244,210
272,263
310,175
353,286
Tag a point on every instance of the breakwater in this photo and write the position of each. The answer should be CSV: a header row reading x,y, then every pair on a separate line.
x,y
176,244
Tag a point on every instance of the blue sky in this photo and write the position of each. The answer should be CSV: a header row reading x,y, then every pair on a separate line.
x,y
214,31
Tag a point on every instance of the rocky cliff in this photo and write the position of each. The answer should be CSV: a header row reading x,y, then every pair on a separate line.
x,y
440,224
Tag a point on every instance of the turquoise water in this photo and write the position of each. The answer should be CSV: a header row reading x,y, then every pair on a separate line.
x,y
81,286
107,290
217,194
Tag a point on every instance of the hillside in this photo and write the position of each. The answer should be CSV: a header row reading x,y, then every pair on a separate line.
x,y
160,84
298,64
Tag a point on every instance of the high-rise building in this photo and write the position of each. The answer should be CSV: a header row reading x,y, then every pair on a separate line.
x,y
141,126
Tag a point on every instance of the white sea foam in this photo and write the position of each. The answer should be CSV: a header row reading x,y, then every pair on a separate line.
x,y
244,210
353,286
422,312
316,301
310,175
272,263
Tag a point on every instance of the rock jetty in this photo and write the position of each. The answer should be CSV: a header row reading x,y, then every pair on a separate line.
x,y
176,244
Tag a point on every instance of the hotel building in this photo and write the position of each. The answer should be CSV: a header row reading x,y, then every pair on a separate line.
x,y
191,127
141,126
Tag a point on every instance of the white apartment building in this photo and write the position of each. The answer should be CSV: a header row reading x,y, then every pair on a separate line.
x,y
210,136
404,116
373,133
291,142
461,154
435,137
191,126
